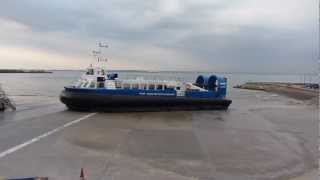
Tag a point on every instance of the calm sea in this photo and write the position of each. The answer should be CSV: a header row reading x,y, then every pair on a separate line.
x,y
50,85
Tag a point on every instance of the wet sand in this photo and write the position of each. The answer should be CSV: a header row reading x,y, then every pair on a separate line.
x,y
263,136
313,175
292,90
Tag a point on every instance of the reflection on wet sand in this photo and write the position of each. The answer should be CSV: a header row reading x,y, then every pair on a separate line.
x,y
268,140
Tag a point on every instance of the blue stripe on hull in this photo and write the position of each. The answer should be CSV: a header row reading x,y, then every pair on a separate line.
x,y
200,94
140,92
132,92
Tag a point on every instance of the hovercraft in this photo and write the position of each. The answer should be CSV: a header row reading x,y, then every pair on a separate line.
x,y
98,90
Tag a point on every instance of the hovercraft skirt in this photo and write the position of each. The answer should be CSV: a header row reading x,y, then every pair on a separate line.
x,y
120,103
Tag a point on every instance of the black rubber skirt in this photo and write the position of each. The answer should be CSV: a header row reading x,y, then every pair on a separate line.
x,y
122,103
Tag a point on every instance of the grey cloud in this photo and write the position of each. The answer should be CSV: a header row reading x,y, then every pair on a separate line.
x,y
192,30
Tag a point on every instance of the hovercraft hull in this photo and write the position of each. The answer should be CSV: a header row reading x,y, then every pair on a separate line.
x,y
115,103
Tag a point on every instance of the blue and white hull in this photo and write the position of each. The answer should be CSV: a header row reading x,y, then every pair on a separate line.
x,y
140,100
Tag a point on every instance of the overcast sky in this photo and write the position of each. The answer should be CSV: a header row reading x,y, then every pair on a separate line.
x,y
200,35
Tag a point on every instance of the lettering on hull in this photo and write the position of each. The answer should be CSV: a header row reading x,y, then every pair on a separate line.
x,y
156,94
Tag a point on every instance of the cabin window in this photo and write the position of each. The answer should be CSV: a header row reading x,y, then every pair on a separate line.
x,y
151,86
159,87
126,86
90,72
118,84
101,79
101,85
135,86
92,84
168,87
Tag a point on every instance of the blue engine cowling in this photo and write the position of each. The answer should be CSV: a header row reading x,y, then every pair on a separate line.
x,y
213,83
202,81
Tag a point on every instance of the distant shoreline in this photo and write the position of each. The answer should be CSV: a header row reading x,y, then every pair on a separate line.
x,y
23,71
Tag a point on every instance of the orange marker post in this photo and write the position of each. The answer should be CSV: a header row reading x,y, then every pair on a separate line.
x,y
82,174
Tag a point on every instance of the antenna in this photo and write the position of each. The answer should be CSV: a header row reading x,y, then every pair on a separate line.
x,y
103,45
98,53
